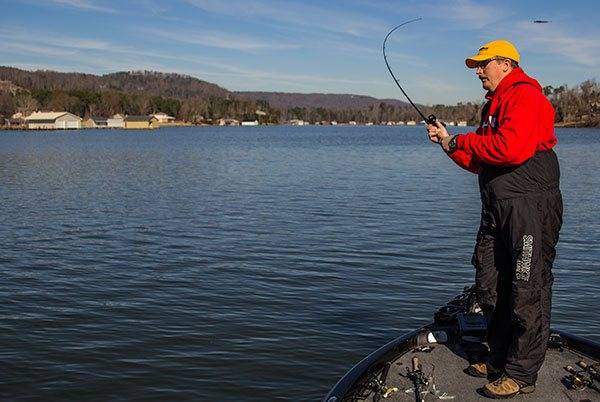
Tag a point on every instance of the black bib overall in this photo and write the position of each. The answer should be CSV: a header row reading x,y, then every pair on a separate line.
x,y
520,222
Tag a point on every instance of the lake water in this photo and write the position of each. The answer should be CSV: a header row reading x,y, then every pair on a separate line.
x,y
252,263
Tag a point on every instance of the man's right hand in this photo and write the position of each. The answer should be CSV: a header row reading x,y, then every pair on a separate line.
x,y
432,132
437,133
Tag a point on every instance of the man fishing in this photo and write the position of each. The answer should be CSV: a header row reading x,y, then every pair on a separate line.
x,y
512,153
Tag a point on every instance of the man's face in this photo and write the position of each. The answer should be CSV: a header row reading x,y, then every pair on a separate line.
x,y
491,72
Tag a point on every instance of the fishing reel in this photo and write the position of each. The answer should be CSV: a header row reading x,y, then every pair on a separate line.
x,y
587,377
431,119
423,384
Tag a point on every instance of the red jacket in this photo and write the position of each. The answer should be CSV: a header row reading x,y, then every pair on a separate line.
x,y
519,122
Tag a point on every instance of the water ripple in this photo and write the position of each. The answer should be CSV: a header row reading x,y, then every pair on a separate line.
x,y
201,264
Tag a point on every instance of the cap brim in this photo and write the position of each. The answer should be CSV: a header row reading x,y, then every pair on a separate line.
x,y
472,61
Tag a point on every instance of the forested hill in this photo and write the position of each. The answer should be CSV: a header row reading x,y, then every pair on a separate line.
x,y
192,99
145,82
327,101
180,87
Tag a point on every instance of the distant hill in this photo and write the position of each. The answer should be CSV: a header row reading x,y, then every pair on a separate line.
x,y
147,82
326,101
178,86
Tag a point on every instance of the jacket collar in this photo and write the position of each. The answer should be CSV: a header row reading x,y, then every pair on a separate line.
x,y
516,76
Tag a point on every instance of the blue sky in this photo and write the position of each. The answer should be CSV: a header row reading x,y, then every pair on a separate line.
x,y
304,46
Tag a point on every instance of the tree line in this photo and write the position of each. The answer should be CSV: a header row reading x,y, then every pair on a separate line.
x,y
577,106
197,101
87,103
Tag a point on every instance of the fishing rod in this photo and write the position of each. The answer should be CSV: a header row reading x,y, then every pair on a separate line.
x,y
431,119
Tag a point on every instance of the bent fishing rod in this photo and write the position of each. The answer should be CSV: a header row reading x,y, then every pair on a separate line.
x,y
431,119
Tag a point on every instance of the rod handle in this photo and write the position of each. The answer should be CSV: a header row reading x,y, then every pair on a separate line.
x,y
415,363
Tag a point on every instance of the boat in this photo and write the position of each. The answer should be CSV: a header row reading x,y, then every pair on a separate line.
x,y
429,363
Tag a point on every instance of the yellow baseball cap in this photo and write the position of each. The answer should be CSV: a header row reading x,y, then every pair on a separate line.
x,y
495,48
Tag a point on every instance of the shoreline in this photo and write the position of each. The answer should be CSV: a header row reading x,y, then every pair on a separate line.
x,y
4,128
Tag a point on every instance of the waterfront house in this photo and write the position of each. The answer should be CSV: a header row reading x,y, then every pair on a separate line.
x,y
95,122
117,121
461,123
298,122
229,122
163,118
52,121
140,122
14,123
250,123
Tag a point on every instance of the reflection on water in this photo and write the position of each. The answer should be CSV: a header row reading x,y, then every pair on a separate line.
x,y
252,263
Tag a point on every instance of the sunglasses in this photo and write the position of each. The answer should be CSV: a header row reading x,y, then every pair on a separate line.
x,y
484,63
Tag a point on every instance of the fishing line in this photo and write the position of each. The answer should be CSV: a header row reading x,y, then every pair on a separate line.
x,y
431,119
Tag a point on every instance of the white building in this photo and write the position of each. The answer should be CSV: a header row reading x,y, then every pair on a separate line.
x,y
163,118
250,123
117,121
298,122
53,121
229,122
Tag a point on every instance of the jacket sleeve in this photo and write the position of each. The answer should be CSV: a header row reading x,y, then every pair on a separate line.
x,y
516,138
465,160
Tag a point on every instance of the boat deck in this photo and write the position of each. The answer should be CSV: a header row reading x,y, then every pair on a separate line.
x,y
449,378
462,329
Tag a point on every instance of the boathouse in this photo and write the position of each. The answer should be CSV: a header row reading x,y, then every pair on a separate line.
x,y
52,121
141,122
95,122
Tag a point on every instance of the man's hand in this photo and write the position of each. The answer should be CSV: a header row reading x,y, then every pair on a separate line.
x,y
438,133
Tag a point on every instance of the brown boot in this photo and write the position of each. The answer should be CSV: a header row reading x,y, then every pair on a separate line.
x,y
481,370
506,387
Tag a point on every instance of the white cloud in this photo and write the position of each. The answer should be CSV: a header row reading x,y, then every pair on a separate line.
x,y
552,39
293,14
461,14
24,48
85,5
54,40
219,40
